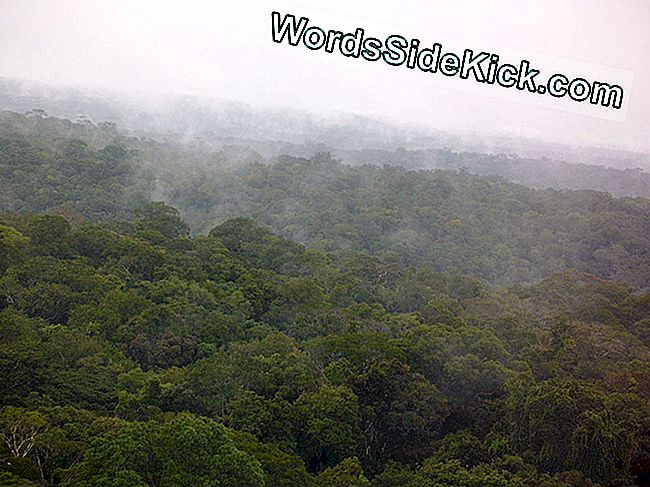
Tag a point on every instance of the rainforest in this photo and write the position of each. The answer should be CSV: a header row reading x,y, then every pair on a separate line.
x,y
175,313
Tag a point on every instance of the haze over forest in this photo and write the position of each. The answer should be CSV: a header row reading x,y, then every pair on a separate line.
x,y
220,268
224,52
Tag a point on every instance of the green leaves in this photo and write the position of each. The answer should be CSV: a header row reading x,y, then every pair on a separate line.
x,y
185,450
330,373
163,219
328,426
348,473
598,435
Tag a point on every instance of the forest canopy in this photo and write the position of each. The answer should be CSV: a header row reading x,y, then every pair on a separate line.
x,y
445,220
301,322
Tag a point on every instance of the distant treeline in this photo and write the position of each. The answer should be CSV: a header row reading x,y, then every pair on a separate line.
x,y
535,173
448,221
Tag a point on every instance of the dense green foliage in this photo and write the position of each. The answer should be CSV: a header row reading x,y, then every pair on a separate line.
x,y
536,173
52,165
447,221
443,220
133,354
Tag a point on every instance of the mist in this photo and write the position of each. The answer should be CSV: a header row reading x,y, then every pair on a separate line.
x,y
224,53
226,260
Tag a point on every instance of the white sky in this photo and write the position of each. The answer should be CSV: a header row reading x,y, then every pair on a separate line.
x,y
224,50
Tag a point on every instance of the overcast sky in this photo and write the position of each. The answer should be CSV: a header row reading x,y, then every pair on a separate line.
x,y
224,50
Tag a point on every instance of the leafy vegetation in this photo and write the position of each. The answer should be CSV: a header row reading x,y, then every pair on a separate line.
x,y
446,221
135,353
540,172
441,220
132,353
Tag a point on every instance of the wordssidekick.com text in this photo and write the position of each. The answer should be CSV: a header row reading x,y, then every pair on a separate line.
x,y
481,67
